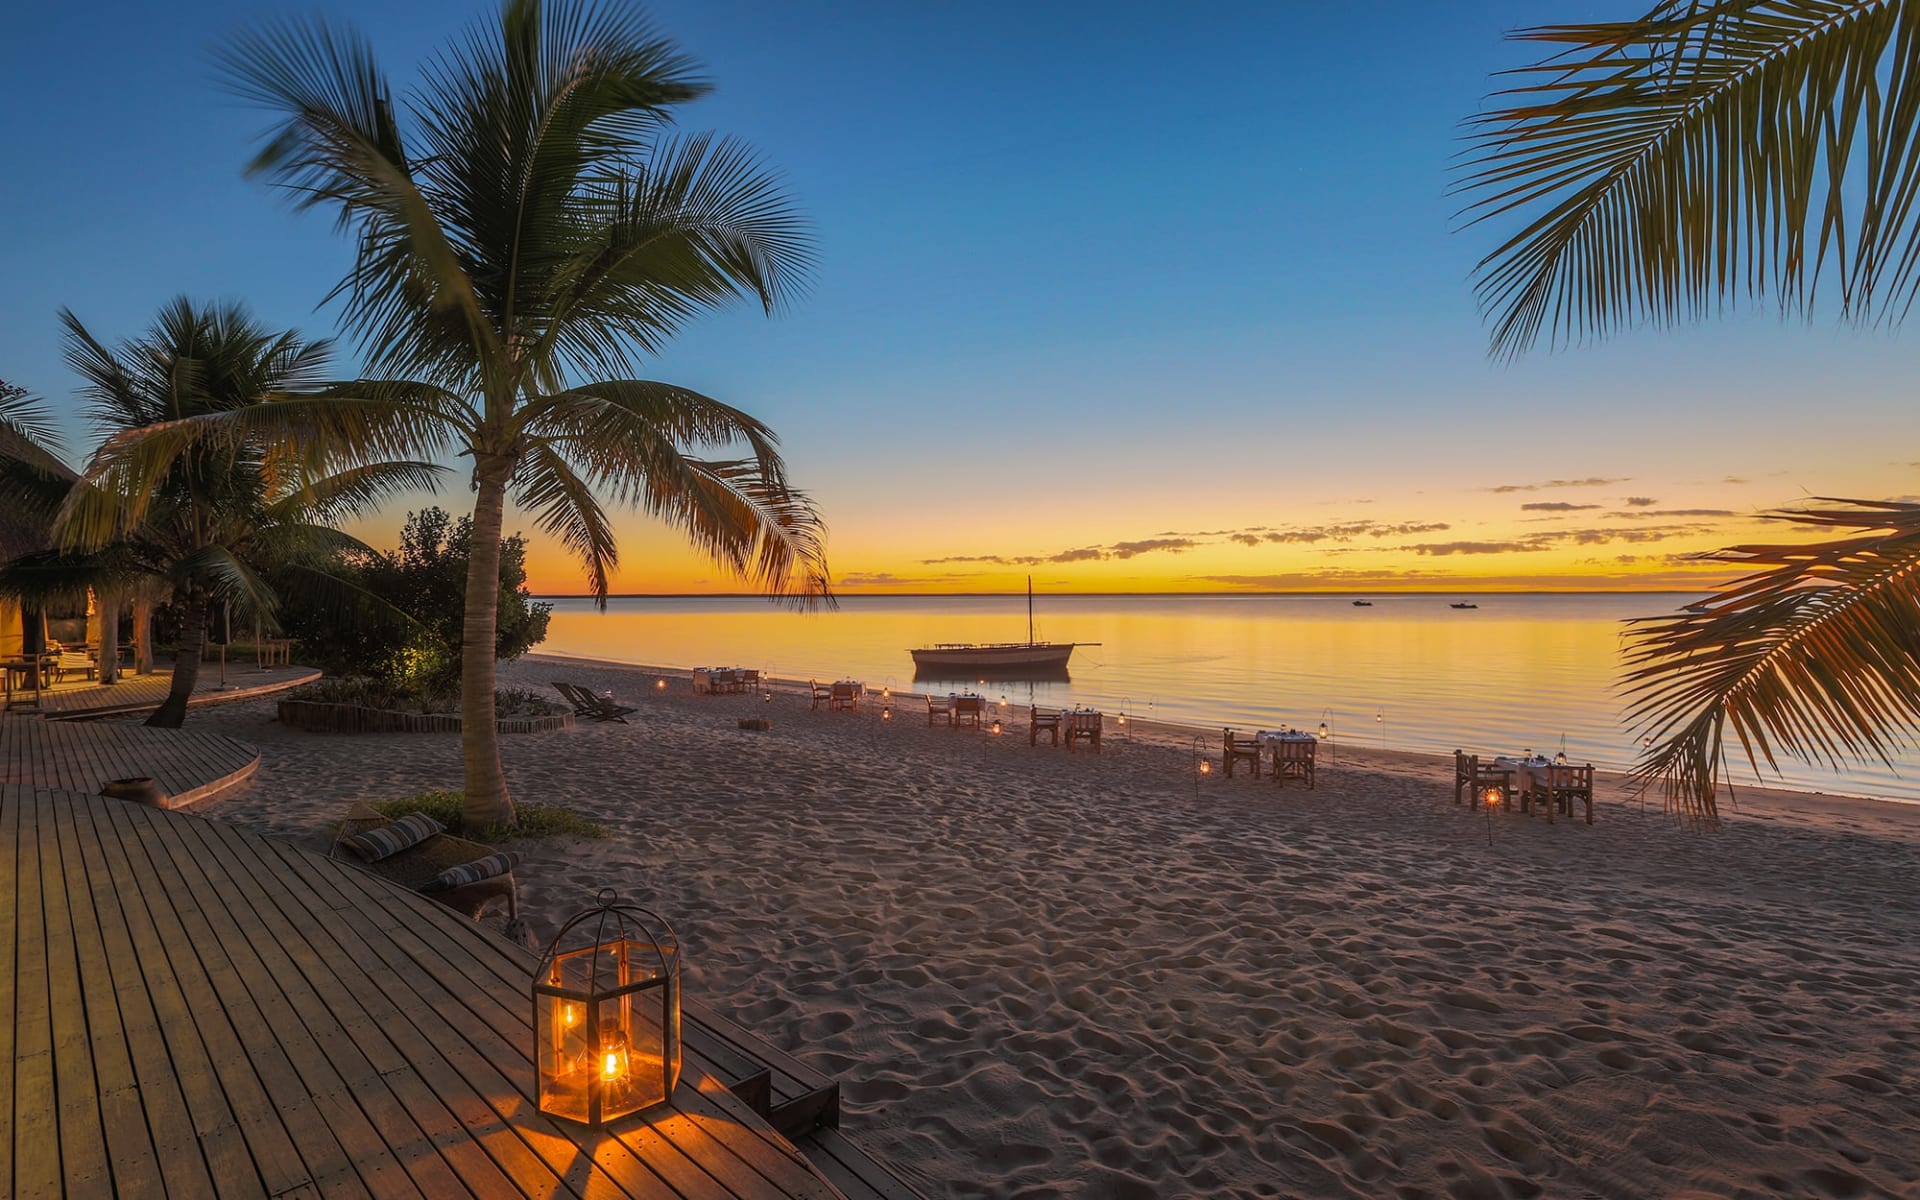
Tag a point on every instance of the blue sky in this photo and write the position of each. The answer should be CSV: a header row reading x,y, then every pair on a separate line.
x,y
1088,273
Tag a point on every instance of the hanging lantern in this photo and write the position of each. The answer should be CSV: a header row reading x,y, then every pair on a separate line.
x,y
1324,731
606,1010
996,729
1492,797
1206,766
886,712
660,685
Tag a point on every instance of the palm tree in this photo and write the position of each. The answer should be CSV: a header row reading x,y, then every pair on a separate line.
x,y
524,220
1663,168
219,515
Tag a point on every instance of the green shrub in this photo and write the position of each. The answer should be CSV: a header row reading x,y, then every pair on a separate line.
x,y
536,820
413,639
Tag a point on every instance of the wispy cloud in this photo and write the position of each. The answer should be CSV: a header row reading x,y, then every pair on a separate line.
x,y
1555,506
1119,550
1596,481
1675,512
1445,549
1641,502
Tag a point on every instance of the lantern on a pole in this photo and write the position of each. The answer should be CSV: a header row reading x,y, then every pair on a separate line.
x,y
606,1011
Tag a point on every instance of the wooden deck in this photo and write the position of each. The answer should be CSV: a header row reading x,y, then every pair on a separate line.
x,y
141,693
193,1010
79,756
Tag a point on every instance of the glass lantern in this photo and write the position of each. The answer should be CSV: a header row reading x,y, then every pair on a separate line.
x,y
606,1010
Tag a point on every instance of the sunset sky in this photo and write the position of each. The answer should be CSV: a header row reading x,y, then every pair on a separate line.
x,y
1125,297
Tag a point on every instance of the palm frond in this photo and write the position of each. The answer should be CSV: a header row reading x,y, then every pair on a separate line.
x,y
1815,654
355,492
1711,150
27,427
567,509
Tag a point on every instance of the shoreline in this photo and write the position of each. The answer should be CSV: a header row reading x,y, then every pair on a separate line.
x,y
1211,735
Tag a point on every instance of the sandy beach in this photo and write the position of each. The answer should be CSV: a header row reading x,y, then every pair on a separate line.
x,y
1048,974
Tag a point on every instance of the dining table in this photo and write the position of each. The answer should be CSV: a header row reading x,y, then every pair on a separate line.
x,y
1529,774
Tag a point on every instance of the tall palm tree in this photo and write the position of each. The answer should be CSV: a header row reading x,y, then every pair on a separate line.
x,y
526,222
221,513
1663,168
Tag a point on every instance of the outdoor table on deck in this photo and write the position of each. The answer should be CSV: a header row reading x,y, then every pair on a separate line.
x,y
189,1009
24,674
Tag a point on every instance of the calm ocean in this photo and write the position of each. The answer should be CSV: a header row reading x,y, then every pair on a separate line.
x,y
1410,673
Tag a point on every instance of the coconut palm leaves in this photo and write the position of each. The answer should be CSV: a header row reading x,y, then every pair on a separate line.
x,y
1664,167
162,499
1815,653
524,223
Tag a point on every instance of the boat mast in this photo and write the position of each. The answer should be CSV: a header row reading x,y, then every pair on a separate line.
x,y
1029,610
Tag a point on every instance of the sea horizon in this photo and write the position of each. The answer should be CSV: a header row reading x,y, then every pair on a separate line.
x,y
1533,670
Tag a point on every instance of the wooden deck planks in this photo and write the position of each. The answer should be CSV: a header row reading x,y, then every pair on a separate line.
x,y
82,756
142,693
196,1011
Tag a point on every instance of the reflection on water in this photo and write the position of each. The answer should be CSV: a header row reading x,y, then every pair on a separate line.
x,y
1408,672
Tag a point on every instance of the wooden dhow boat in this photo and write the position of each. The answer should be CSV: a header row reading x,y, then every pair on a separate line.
x,y
1004,659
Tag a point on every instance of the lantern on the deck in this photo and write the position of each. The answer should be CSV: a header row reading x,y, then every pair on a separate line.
x,y
606,1011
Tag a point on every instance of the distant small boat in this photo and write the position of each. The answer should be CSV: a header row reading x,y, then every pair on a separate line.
x,y
1363,604
1004,659
1463,606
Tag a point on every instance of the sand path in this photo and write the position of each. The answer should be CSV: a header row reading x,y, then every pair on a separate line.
x,y
1042,974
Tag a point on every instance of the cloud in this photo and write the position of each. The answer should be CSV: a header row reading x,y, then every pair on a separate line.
x,y
1640,502
1675,512
1120,550
1556,506
1173,545
1443,549
1735,479
1346,531
1556,483
1245,539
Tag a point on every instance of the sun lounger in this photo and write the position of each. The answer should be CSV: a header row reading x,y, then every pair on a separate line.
x,y
586,704
418,864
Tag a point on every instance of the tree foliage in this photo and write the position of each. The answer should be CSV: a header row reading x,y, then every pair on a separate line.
x,y
414,641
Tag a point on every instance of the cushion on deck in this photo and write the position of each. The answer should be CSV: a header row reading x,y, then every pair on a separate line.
x,y
484,868
388,840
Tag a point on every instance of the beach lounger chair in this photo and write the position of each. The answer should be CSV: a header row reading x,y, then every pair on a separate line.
x,y
1469,776
1044,718
1293,759
1083,727
586,704
420,863
940,706
1239,747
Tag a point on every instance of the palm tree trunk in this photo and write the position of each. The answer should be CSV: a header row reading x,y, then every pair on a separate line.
x,y
142,635
107,604
186,662
486,802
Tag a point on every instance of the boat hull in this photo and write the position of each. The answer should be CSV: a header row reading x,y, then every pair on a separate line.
x,y
1043,656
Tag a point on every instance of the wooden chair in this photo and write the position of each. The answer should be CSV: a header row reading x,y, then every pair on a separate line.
x,y
1564,785
1047,719
1083,727
76,661
417,864
821,695
1237,748
1474,779
843,696
968,710
940,706
1293,760
595,708
749,681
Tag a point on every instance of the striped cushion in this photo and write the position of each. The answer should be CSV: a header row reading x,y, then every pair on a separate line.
x,y
391,839
473,872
